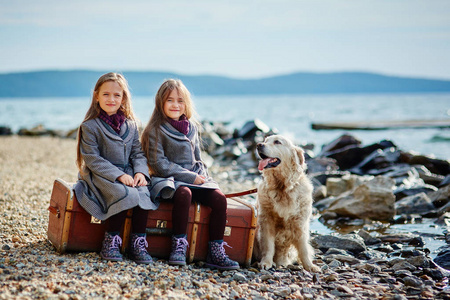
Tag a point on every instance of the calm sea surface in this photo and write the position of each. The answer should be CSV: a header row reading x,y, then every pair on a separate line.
x,y
291,115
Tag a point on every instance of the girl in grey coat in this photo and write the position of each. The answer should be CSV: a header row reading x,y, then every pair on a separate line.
x,y
172,145
113,169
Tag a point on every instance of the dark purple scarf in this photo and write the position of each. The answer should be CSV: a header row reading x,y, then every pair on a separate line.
x,y
115,121
182,125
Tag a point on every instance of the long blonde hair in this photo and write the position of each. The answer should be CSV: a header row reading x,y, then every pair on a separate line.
x,y
94,109
159,117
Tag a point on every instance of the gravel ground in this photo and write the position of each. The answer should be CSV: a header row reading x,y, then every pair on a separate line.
x,y
31,269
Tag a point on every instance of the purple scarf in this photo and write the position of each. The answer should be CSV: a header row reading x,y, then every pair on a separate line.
x,y
182,125
115,121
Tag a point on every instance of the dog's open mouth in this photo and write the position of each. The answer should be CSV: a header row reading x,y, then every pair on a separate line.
x,y
268,162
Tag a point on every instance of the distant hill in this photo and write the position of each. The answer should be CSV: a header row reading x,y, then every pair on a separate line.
x,y
80,83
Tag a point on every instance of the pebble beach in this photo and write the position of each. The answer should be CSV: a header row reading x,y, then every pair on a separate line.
x,y
30,268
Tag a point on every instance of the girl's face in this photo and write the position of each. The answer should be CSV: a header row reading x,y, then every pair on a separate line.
x,y
110,96
174,106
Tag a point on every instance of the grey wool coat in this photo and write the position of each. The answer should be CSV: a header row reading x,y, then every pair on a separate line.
x,y
107,156
177,161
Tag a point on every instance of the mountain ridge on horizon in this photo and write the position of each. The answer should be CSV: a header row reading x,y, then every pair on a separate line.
x,y
78,83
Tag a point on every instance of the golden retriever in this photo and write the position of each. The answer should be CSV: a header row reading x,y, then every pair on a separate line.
x,y
284,206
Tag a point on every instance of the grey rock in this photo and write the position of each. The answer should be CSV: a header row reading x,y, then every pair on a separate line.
x,y
415,204
239,277
335,263
351,242
371,268
344,259
372,254
440,197
412,281
403,265
419,261
336,251
368,238
282,292
443,259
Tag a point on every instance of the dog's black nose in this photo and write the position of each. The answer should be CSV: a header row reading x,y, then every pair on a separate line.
x,y
259,146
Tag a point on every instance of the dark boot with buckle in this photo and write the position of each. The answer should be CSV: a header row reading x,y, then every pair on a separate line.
x,y
179,248
138,251
110,247
217,257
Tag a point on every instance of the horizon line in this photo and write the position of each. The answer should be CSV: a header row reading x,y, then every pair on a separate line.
x,y
227,76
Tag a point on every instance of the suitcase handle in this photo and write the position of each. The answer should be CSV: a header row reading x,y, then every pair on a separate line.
x,y
54,210
159,231
252,191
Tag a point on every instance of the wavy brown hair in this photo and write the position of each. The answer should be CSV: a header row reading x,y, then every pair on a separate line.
x,y
94,109
159,117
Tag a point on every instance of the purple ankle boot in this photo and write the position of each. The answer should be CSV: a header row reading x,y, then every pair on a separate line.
x,y
178,254
110,247
138,251
217,257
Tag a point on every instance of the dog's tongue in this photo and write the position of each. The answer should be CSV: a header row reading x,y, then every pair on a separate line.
x,y
263,163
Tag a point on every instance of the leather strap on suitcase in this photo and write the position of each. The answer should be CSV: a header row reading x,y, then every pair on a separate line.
x,y
252,191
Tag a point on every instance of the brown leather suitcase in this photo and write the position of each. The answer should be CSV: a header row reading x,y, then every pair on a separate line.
x,y
71,228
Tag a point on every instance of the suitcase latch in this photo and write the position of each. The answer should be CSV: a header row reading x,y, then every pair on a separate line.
x,y
161,224
94,220
227,231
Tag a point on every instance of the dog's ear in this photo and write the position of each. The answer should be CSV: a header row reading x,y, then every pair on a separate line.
x,y
301,157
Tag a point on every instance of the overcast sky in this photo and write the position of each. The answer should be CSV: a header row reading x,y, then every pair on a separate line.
x,y
237,38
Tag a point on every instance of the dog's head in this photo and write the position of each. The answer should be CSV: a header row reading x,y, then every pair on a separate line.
x,y
278,152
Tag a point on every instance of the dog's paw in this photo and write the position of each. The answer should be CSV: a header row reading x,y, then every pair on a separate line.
x,y
265,264
313,269
282,263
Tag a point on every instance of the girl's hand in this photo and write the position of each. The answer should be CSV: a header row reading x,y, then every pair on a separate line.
x,y
126,179
139,179
199,179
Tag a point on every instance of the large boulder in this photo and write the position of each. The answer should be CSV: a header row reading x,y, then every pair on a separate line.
x,y
337,186
384,156
350,242
357,158
371,200
436,166
343,141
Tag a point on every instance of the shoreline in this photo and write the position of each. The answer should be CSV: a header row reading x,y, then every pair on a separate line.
x,y
30,267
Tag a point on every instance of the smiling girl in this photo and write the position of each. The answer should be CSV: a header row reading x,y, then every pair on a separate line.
x,y
113,171
171,143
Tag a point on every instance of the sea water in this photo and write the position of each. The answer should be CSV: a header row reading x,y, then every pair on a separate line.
x,y
290,115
